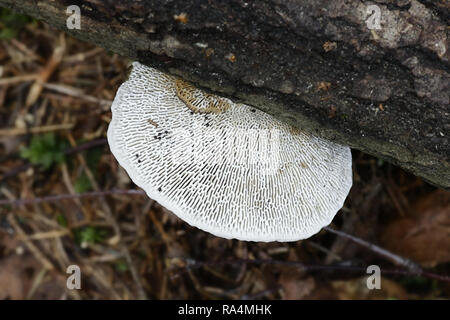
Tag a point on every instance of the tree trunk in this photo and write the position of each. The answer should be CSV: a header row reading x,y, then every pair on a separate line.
x,y
317,64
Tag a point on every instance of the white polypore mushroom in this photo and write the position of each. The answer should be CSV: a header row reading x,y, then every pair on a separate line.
x,y
225,167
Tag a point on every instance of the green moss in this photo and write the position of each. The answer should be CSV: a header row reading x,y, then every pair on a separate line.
x,y
45,150
82,184
90,235
11,23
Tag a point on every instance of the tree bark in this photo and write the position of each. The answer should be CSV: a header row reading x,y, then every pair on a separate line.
x,y
315,64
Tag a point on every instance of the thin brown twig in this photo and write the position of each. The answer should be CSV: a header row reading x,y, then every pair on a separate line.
x,y
34,250
76,93
394,258
86,146
68,183
60,197
82,56
47,71
192,264
42,129
18,79
27,51
112,220
412,267
260,294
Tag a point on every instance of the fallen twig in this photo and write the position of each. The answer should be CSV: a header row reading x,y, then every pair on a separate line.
x,y
19,131
394,258
60,197
30,245
411,267
192,264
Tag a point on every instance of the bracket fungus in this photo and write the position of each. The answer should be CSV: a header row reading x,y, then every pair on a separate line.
x,y
225,167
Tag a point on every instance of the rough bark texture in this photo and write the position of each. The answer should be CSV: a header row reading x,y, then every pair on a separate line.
x,y
312,63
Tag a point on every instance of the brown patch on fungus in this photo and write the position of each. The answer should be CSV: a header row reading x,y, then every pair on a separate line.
x,y
199,101
152,123
294,130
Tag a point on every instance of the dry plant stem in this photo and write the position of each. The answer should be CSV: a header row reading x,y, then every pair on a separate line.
x,y
396,259
192,264
37,282
39,256
329,252
197,285
46,235
83,56
413,268
18,79
110,217
365,204
42,129
21,202
261,294
69,186
86,146
99,274
76,93
45,74
27,51
159,227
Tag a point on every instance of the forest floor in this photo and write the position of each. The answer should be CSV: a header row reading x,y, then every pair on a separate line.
x,y
55,97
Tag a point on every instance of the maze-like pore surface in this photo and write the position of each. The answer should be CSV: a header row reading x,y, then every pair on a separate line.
x,y
224,167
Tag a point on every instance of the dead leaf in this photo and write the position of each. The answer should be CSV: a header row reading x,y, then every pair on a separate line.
x,y
423,236
295,285
357,289
294,288
16,276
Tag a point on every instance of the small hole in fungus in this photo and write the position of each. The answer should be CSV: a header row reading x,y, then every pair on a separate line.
x,y
253,110
137,156
139,161
159,189
156,137
207,124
